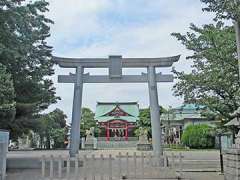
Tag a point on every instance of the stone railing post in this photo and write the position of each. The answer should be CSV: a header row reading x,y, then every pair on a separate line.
x,y
232,164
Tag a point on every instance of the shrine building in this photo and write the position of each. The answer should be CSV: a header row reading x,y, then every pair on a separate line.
x,y
117,120
179,118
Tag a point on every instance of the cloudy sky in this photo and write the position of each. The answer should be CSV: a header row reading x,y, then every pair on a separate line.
x,y
131,28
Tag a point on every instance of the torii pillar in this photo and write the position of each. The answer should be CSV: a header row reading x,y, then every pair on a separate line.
x,y
155,113
115,65
76,112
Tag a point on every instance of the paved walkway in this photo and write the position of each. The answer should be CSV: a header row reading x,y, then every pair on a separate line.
x,y
192,159
188,155
204,176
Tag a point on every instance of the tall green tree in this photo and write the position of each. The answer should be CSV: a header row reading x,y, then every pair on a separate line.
x,y
230,10
27,57
7,98
145,119
224,9
52,127
214,78
87,121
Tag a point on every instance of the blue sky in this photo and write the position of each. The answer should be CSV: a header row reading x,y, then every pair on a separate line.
x,y
131,28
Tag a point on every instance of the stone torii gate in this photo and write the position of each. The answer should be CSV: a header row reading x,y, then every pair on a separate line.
x,y
115,65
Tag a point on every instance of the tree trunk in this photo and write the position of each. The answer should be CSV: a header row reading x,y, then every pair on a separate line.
x,y
48,143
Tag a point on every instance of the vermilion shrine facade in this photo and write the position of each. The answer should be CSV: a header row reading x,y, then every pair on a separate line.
x,y
117,120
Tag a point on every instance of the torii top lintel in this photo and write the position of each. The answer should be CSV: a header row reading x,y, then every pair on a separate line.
x,y
125,62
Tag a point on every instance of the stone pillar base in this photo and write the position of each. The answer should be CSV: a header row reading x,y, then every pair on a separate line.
x,y
89,146
144,147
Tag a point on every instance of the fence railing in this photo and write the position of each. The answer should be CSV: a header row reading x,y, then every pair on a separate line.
x,y
116,144
235,146
109,167
117,139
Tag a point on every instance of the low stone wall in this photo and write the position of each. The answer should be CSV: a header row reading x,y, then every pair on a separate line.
x,y
24,163
232,164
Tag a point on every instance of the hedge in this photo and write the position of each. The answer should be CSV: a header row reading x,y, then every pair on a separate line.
x,y
199,136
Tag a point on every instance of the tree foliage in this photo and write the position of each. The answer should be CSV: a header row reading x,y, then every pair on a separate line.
x,y
198,136
27,57
58,136
145,120
224,9
52,127
214,78
87,121
7,98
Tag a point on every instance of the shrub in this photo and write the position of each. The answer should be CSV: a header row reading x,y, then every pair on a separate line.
x,y
198,136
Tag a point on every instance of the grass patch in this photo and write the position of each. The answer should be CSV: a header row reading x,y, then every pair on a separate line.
x,y
180,147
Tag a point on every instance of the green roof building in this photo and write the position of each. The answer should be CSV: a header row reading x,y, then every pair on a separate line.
x,y
117,119
177,119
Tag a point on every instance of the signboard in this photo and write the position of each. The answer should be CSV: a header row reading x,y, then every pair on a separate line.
x,y
115,66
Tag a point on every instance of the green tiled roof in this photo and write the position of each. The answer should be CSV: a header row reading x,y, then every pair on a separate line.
x,y
186,111
181,116
109,118
130,108
190,107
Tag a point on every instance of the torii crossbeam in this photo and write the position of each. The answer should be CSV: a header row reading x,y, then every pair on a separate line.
x,y
115,65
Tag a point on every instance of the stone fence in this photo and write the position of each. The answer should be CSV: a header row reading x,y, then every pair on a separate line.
x,y
232,164
4,137
120,166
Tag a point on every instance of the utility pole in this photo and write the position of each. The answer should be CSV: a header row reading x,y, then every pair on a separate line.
x,y
168,129
237,29
169,125
236,22
220,153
